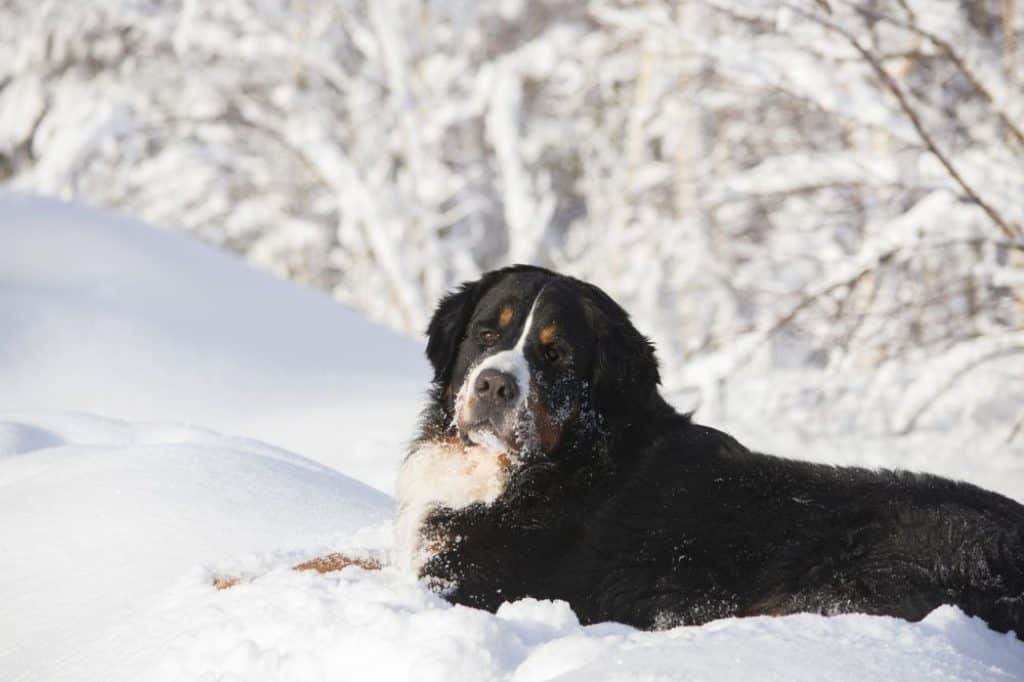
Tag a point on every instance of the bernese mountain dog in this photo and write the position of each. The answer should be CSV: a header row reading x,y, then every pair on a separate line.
x,y
548,465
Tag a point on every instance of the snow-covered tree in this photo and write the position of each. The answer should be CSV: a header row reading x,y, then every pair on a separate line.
x,y
815,207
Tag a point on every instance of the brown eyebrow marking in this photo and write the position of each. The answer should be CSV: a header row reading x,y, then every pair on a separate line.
x,y
505,316
548,333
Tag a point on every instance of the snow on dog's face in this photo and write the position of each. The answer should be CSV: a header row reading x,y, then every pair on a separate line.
x,y
521,354
515,383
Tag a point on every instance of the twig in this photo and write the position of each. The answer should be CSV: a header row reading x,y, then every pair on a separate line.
x,y
1015,131
1009,40
1017,428
1007,229
786,88
851,281
910,422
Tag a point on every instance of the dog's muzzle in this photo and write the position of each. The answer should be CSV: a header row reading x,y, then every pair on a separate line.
x,y
489,413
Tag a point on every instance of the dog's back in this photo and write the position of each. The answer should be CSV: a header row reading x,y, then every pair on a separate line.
x,y
765,535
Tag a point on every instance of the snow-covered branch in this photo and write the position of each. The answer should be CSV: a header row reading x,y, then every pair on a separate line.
x,y
768,187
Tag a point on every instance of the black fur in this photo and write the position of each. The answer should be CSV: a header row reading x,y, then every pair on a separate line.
x,y
625,373
643,517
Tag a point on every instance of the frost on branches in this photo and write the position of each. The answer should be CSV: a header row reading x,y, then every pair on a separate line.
x,y
816,208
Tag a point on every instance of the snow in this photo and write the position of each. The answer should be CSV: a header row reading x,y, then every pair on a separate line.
x,y
101,515
355,622
127,353
103,316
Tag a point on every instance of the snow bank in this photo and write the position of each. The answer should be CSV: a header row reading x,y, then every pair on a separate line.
x,y
377,625
99,517
106,315
358,625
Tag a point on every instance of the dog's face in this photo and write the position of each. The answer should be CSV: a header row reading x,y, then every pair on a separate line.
x,y
523,356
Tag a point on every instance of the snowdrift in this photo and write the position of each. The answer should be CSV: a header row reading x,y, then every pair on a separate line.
x,y
103,314
99,517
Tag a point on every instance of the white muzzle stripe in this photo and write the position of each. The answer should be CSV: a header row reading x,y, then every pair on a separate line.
x,y
512,362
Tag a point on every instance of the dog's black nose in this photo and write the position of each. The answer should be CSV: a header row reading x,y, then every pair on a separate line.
x,y
495,386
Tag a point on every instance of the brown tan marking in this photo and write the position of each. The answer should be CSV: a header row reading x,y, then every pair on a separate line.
x,y
547,334
505,316
549,429
773,606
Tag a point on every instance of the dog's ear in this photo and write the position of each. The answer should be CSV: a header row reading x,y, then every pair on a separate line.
x,y
625,371
448,326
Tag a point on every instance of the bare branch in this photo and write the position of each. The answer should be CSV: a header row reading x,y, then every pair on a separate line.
x,y
851,280
1009,41
1018,428
1015,131
1013,347
1011,232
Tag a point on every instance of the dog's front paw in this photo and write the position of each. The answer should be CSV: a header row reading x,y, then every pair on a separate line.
x,y
465,578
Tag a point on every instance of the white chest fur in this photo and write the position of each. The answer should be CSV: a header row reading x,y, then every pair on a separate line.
x,y
442,475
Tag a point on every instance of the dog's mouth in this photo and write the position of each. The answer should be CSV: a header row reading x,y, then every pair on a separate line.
x,y
485,435
500,429
503,432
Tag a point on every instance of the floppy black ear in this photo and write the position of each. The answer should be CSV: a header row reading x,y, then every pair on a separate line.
x,y
448,326
625,373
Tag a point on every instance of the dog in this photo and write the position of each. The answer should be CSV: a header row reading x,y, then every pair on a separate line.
x,y
548,465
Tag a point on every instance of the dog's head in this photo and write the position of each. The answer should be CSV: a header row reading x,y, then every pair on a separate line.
x,y
523,356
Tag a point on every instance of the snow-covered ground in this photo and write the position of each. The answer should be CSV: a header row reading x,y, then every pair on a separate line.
x,y
100,314
122,346
101,517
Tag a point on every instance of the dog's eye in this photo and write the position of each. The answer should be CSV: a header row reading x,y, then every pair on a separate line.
x,y
488,337
552,354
